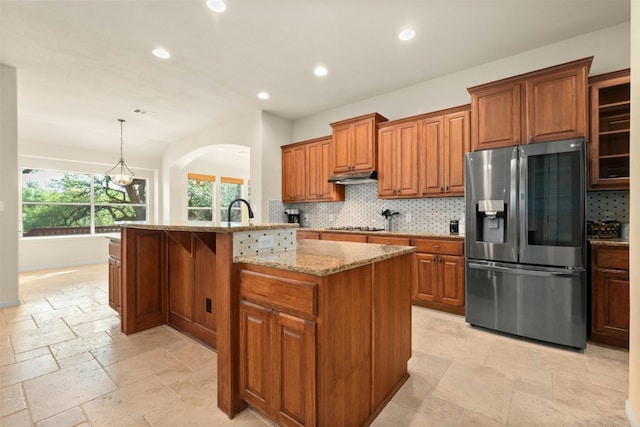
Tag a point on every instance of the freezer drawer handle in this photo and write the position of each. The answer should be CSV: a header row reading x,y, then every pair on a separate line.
x,y
522,271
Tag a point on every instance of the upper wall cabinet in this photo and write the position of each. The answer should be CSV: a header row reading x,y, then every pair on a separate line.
x,y
306,167
423,156
353,145
444,140
610,122
544,105
397,160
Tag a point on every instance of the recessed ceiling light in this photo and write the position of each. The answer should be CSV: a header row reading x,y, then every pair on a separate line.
x,y
216,5
407,34
263,95
320,71
219,149
161,53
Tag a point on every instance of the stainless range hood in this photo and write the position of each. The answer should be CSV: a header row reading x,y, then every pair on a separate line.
x,y
355,178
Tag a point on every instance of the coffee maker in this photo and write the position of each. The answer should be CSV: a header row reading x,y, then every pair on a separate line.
x,y
293,215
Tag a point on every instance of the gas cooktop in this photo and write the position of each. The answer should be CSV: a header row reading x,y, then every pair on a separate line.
x,y
355,228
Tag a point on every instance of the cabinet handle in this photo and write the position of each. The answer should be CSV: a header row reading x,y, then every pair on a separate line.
x,y
436,246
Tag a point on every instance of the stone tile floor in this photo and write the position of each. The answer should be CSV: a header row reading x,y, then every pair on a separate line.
x,y
64,362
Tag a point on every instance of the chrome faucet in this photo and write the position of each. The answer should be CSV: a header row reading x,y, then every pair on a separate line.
x,y
229,210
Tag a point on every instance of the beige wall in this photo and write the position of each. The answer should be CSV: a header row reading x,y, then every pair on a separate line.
x,y
8,185
633,406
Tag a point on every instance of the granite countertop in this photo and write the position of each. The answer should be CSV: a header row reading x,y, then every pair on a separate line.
x,y
204,227
409,234
322,258
609,242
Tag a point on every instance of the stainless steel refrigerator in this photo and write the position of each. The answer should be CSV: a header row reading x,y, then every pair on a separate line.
x,y
525,241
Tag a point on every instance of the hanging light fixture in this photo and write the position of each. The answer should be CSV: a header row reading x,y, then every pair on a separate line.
x,y
120,174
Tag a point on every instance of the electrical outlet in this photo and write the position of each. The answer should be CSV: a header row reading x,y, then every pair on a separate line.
x,y
331,218
208,305
265,242
408,217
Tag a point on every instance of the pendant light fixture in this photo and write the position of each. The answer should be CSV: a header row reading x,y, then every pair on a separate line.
x,y
120,174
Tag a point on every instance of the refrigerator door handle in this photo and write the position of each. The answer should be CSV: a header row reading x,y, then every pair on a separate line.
x,y
542,273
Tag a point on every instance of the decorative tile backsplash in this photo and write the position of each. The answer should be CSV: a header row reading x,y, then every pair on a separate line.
x,y
362,208
247,242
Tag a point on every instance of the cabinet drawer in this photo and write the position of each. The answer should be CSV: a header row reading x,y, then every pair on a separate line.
x,y
610,257
344,237
438,246
386,240
288,295
303,235
114,250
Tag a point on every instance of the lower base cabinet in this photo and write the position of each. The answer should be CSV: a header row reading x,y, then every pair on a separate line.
x,y
115,275
610,304
439,275
277,356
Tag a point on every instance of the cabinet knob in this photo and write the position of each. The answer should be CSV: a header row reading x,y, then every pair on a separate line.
x,y
436,246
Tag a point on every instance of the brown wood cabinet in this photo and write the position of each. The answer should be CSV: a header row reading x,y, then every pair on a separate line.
x,y
344,237
444,140
609,145
306,167
544,105
312,352
318,172
304,235
294,173
397,160
610,295
354,143
439,275
115,275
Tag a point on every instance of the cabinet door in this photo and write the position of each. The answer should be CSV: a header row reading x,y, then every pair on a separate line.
x,y
314,165
293,173
294,357
344,237
180,282
431,174
496,117
362,141
386,169
456,137
556,106
114,284
611,305
327,190
451,287
256,363
425,285
407,159
341,148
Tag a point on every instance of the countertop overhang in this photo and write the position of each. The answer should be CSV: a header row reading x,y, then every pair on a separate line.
x,y
204,227
322,257
409,234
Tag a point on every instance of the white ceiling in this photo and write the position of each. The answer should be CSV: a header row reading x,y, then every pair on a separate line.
x,y
83,64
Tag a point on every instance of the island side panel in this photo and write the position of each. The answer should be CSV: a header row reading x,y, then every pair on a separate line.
x,y
392,280
344,348
227,292
144,283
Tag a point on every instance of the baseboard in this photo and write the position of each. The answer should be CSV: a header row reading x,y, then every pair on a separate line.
x,y
634,421
5,304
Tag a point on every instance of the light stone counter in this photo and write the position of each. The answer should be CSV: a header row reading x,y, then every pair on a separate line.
x,y
322,258
199,227
609,242
409,234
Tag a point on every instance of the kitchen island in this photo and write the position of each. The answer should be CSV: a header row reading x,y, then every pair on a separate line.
x,y
339,314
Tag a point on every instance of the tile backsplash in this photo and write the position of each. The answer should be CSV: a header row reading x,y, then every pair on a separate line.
x,y
432,215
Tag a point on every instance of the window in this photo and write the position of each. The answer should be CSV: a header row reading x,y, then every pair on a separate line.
x,y
231,189
201,194
69,203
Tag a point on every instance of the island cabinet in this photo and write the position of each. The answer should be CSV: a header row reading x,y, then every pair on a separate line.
x,y
439,275
609,146
544,105
610,295
115,275
354,143
397,159
444,139
325,350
